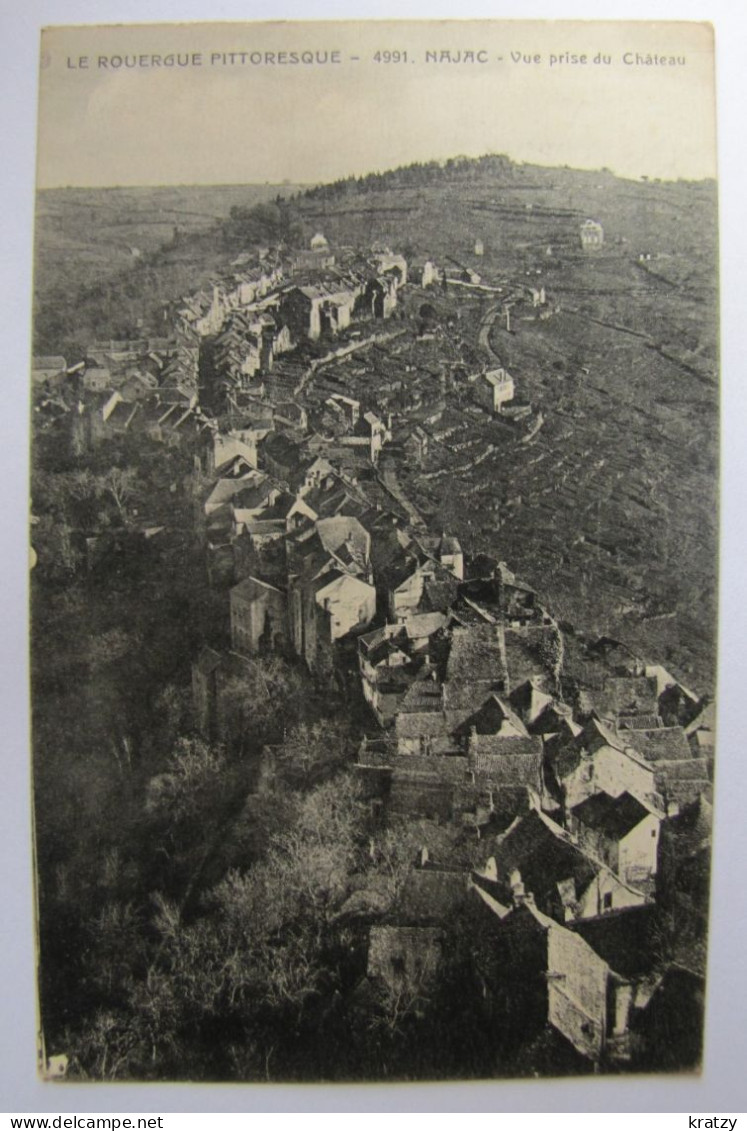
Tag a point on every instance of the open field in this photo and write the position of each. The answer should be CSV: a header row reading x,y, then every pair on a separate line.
x,y
86,235
610,510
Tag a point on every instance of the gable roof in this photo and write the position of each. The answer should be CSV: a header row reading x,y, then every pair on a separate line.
x,y
664,744
208,660
531,699
429,895
414,724
615,816
626,695
251,587
476,656
624,938
522,767
493,717
544,855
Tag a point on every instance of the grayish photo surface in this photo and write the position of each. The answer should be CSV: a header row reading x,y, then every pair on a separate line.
x,y
374,410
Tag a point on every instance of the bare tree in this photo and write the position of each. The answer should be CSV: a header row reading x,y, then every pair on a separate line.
x,y
119,483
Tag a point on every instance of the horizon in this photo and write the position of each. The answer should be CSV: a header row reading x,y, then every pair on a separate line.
x,y
441,161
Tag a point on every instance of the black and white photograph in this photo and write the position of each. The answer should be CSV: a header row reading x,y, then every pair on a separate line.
x,y
374,517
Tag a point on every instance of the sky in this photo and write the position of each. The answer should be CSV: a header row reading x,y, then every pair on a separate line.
x,y
216,121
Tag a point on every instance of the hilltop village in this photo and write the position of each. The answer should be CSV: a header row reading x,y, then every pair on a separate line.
x,y
560,784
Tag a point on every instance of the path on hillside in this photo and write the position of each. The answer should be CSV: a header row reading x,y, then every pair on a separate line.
x,y
486,325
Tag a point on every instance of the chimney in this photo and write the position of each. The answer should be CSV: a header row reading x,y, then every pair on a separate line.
x,y
517,888
472,749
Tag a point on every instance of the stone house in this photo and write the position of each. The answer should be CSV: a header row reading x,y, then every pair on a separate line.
x,y
329,589
225,446
424,272
407,948
451,556
415,446
282,457
393,656
537,856
381,296
97,378
344,409
47,368
493,389
239,476
655,766
254,283
314,309
318,256
592,235
391,263
259,617
543,974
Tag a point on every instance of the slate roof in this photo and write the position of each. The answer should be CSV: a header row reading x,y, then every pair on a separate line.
x,y
525,652
692,826
308,559
439,593
343,536
514,770
494,716
682,782
429,895
424,695
614,816
705,720
424,624
224,491
531,699
383,650
279,510
372,640
283,451
476,656
122,414
625,939
253,495
413,724
626,695
247,589
500,746
451,769
544,855
664,744
638,722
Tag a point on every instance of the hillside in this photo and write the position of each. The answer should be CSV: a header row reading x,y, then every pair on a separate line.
x,y
610,509
85,238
